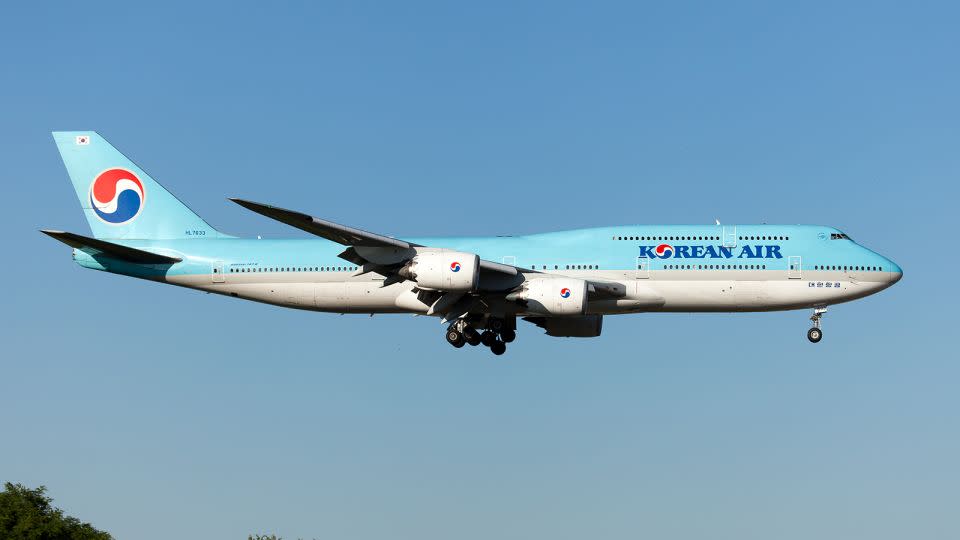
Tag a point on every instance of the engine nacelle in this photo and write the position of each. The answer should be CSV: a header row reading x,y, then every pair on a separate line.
x,y
552,296
443,270
587,326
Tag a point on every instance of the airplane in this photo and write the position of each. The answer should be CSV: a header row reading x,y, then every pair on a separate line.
x,y
564,282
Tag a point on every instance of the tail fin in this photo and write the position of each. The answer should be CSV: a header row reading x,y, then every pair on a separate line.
x,y
119,199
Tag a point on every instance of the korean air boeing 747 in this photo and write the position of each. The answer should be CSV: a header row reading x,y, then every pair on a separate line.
x,y
564,282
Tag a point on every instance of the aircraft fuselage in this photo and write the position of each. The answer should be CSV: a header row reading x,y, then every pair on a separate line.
x,y
661,268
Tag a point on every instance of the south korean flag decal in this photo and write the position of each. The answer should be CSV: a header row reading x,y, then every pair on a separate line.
x,y
83,140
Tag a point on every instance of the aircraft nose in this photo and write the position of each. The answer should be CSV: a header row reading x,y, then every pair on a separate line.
x,y
896,273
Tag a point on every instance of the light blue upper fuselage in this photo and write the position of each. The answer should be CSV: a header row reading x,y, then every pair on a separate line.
x,y
603,248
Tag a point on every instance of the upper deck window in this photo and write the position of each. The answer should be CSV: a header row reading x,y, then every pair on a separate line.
x,y
839,236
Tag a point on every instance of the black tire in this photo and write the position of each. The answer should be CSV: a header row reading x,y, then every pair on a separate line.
x,y
471,336
498,347
814,335
508,335
487,338
496,325
455,338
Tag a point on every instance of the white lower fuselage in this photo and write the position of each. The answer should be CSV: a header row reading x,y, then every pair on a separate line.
x,y
676,290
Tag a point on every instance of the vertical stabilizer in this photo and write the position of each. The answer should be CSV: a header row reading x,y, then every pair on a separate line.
x,y
119,199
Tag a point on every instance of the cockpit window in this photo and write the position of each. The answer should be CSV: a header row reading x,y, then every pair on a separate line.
x,y
839,236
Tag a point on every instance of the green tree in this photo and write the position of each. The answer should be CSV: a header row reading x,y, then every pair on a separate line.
x,y
26,514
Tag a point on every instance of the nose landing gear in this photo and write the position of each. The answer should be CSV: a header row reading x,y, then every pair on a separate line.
x,y
815,334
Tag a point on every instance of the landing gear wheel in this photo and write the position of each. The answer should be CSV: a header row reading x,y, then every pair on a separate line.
x,y
496,325
508,335
815,334
487,338
471,336
498,347
455,338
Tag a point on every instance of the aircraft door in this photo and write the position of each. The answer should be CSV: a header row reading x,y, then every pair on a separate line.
x,y
643,268
216,272
729,236
793,267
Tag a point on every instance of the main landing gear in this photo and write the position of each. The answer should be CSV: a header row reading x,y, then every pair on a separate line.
x,y
815,334
496,335
455,338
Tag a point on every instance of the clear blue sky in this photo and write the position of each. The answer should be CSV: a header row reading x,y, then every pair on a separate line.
x,y
157,412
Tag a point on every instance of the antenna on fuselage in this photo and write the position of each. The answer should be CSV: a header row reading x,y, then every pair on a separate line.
x,y
718,221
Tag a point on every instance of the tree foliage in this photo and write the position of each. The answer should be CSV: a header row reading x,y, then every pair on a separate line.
x,y
26,514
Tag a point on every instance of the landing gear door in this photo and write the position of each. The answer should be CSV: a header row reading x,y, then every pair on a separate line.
x,y
729,236
793,267
643,268
216,272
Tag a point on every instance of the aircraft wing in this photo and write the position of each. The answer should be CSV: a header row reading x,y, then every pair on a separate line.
x,y
350,236
335,232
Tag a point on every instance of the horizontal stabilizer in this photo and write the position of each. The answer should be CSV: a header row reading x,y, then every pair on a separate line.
x,y
116,251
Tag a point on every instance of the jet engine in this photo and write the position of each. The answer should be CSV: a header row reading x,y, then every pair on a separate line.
x,y
552,296
443,270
